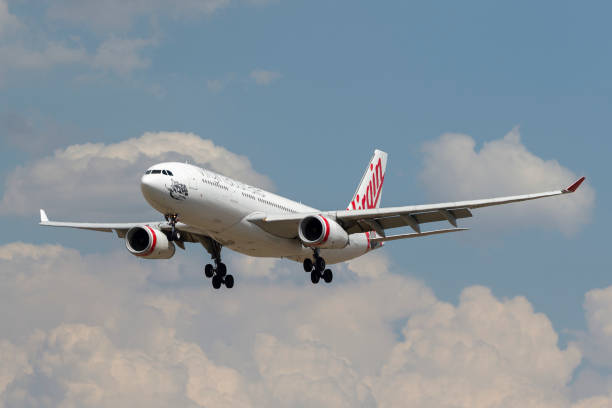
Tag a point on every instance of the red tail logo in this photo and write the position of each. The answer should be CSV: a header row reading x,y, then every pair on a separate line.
x,y
370,197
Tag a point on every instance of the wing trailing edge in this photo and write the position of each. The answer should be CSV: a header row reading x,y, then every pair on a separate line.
x,y
416,235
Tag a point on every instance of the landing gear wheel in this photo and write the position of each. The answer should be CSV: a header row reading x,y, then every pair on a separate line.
x,y
209,271
307,265
175,235
328,275
315,276
216,281
229,281
320,263
221,269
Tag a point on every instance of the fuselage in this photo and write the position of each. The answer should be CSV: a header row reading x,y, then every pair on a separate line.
x,y
219,207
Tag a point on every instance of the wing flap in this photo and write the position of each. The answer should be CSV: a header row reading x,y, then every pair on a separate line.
x,y
407,219
416,235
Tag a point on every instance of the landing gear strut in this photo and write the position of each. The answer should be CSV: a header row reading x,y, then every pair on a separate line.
x,y
218,271
174,234
317,269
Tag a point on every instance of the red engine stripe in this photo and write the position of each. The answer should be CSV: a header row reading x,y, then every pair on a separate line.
x,y
326,229
154,241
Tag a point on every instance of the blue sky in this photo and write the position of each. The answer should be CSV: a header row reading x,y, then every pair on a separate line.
x,y
305,91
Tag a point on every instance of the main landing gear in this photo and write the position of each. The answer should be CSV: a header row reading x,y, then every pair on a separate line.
x,y
218,272
219,275
317,269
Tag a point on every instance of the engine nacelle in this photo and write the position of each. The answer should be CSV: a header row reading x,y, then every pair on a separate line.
x,y
318,231
148,242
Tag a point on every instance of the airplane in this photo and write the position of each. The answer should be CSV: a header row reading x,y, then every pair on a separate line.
x,y
204,207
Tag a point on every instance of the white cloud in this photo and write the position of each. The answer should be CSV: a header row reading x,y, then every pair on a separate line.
x,y
113,15
99,330
8,21
121,56
215,85
593,386
598,310
594,402
218,84
27,52
260,77
113,51
288,370
371,265
260,2
14,364
50,54
34,52
103,180
83,367
256,267
111,20
485,352
453,170
263,77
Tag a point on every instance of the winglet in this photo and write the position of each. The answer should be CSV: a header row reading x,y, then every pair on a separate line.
x,y
43,216
574,186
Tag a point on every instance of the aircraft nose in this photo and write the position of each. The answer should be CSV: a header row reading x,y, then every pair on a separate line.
x,y
146,183
151,187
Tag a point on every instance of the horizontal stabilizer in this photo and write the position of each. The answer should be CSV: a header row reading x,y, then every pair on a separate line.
x,y
416,235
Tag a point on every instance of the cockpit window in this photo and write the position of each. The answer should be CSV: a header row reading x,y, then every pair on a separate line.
x,y
164,172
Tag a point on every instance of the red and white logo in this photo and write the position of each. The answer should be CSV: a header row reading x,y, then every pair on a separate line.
x,y
368,194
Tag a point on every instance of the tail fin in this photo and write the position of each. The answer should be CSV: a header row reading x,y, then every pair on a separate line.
x,y
369,191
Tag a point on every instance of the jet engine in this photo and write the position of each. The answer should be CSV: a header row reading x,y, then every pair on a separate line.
x,y
148,242
318,231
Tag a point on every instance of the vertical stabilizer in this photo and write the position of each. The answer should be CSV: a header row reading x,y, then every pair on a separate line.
x,y
370,188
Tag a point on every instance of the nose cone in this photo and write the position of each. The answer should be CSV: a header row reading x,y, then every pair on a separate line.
x,y
153,189
147,185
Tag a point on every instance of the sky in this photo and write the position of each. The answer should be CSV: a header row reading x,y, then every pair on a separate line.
x,y
470,99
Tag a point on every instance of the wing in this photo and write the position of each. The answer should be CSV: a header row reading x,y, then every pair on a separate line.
x,y
188,233
380,219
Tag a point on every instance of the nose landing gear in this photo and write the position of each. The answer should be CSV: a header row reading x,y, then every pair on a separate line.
x,y
174,234
317,269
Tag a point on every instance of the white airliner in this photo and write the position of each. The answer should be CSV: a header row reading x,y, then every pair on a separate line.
x,y
216,211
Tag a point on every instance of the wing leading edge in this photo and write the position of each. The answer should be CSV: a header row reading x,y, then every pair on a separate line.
x,y
119,228
189,234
